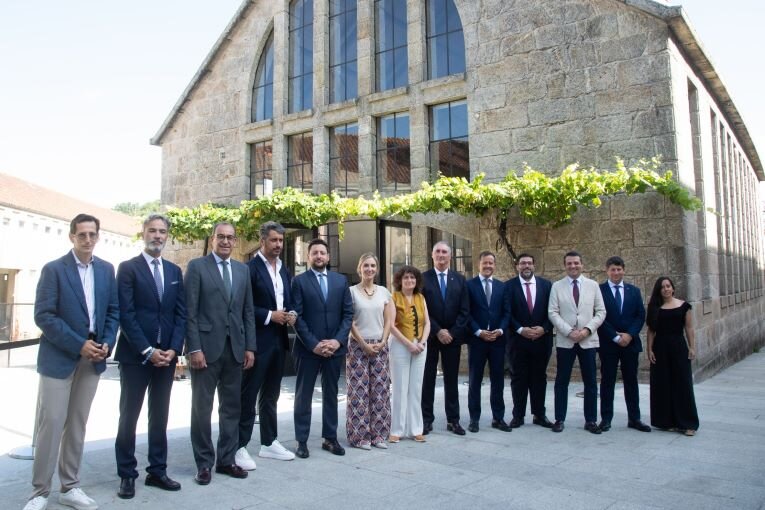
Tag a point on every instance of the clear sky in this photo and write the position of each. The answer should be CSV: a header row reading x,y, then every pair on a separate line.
x,y
84,84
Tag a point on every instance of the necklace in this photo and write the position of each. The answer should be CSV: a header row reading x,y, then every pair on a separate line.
x,y
370,294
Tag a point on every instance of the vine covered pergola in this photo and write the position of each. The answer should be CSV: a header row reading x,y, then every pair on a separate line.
x,y
541,199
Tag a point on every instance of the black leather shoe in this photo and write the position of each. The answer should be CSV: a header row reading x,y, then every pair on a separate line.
x,y
543,422
231,470
333,447
501,425
127,488
456,428
639,425
163,482
592,427
604,425
473,426
427,428
557,427
203,476
302,450
516,422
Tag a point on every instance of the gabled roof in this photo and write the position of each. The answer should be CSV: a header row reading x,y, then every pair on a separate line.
x,y
673,15
25,196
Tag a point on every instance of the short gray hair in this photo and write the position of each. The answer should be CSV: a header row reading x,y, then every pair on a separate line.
x,y
156,216
267,227
444,243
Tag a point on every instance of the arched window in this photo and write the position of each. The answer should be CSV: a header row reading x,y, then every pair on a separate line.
x,y
342,50
446,44
390,44
301,55
263,88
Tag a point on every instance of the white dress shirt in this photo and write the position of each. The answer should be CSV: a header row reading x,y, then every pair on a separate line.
x,y
89,288
276,281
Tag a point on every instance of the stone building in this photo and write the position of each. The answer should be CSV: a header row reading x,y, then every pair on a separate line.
x,y
361,95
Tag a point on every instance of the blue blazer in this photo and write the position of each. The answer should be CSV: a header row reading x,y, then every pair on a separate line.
x,y
483,315
453,313
519,309
62,315
630,320
318,320
142,312
269,335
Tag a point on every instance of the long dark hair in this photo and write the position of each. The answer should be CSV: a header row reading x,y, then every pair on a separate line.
x,y
656,300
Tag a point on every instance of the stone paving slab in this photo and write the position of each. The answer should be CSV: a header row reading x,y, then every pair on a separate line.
x,y
723,467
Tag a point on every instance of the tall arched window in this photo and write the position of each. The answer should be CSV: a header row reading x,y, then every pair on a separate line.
x,y
446,44
390,44
342,50
301,55
263,88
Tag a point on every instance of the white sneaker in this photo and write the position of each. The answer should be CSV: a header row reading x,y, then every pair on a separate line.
x,y
275,451
38,503
243,459
76,498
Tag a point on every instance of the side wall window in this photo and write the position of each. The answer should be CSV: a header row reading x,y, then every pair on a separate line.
x,y
446,44
301,56
263,89
391,60
342,50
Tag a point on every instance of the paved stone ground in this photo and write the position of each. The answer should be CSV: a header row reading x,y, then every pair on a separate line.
x,y
722,467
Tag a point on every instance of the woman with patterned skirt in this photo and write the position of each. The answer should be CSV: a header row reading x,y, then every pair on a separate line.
x,y
408,347
366,365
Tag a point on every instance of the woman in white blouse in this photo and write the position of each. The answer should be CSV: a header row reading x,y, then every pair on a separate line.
x,y
366,367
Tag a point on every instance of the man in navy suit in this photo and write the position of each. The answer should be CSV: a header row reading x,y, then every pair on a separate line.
x,y
273,303
531,341
152,325
620,345
448,303
77,311
324,309
489,319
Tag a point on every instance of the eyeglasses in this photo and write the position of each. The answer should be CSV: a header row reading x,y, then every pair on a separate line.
x,y
221,237
86,235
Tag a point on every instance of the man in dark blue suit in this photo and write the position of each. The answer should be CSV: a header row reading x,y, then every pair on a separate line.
x,y
77,311
324,309
620,345
262,383
153,325
531,341
446,295
489,319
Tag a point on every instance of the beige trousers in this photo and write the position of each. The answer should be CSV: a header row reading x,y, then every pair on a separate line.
x,y
64,408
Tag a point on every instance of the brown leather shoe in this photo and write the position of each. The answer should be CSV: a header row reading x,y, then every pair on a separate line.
x,y
203,476
232,470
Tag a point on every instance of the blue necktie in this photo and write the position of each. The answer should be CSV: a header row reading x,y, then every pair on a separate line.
x,y
618,297
442,282
323,284
226,278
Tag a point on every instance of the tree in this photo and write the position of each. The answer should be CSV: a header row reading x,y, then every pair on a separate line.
x,y
137,210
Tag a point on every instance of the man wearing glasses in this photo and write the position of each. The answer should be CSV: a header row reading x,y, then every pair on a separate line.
x,y
77,311
220,342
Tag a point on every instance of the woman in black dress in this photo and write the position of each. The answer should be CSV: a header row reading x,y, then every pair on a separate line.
x,y
673,406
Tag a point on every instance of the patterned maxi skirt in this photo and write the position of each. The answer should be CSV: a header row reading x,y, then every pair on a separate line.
x,y
367,415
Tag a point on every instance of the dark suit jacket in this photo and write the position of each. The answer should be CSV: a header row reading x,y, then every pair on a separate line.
x,y
62,315
452,314
515,293
482,314
212,314
318,320
142,312
630,320
269,335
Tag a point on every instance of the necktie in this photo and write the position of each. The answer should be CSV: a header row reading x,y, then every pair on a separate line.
x,y
442,282
529,301
226,278
618,297
323,285
487,290
576,292
158,279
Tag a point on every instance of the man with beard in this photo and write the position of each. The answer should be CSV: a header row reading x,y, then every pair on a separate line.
x,y
324,309
153,325
531,341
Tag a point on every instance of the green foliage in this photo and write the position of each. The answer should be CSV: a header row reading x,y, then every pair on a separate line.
x,y
137,210
541,199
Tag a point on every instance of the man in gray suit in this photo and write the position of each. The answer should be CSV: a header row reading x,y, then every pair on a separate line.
x,y
220,342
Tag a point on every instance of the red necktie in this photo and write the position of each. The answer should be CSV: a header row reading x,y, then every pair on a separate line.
x,y
529,301
576,292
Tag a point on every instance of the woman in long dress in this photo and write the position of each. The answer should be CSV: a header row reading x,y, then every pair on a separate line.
x,y
367,415
673,405
408,347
